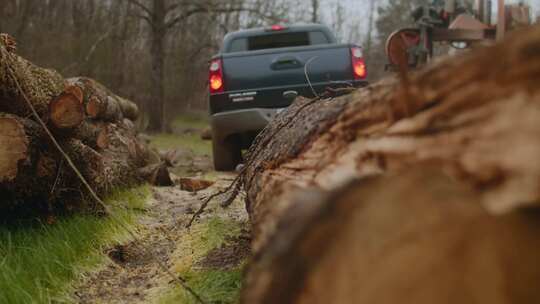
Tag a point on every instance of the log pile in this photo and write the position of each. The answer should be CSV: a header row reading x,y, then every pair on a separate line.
x,y
92,125
419,190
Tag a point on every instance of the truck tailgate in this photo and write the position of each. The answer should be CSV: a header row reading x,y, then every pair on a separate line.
x,y
250,71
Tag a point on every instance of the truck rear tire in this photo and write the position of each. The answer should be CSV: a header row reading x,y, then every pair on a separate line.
x,y
227,155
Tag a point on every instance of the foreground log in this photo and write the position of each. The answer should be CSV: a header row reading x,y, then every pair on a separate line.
x,y
326,229
415,236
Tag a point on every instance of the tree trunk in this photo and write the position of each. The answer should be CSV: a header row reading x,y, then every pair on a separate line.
x,y
409,192
369,39
314,11
157,53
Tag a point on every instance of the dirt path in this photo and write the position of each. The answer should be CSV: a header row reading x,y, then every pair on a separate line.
x,y
131,276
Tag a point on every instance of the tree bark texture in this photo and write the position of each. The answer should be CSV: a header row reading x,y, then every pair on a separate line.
x,y
39,85
421,190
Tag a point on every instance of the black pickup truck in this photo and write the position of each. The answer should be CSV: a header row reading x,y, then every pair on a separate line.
x,y
259,72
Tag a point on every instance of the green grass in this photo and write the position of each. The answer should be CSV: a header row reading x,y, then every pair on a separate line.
x,y
182,139
40,264
215,286
197,121
192,142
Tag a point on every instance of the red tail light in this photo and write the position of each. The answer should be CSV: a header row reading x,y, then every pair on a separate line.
x,y
277,28
358,63
215,77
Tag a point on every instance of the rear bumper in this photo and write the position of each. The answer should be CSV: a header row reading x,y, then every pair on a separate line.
x,y
225,124
270,97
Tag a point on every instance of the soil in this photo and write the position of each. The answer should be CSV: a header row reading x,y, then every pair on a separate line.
x,y
132,274
228,256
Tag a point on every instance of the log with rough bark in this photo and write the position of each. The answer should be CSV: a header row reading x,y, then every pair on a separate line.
x,y
31,170
22,82
113,167
101,103
20,78
9,42
424,190
93,134
34,174
23,160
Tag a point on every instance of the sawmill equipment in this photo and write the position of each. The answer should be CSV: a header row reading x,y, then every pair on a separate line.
x,y
452,22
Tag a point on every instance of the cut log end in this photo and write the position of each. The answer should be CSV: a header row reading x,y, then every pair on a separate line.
x,y
75,91
92,107
13,147
66,111
102,141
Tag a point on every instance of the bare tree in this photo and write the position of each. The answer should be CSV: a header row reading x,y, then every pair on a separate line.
x,y
315,11
162,17
371,18
338,22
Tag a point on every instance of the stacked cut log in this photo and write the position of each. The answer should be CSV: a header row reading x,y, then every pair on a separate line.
x,y
92,125
418,190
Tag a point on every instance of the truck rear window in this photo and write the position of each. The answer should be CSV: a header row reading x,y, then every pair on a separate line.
x,y
278,40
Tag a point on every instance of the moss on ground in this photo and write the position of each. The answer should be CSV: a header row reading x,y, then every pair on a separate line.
x,y
40,263
214,285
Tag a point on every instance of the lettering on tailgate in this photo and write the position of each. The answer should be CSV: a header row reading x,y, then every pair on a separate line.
x,y
242,97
